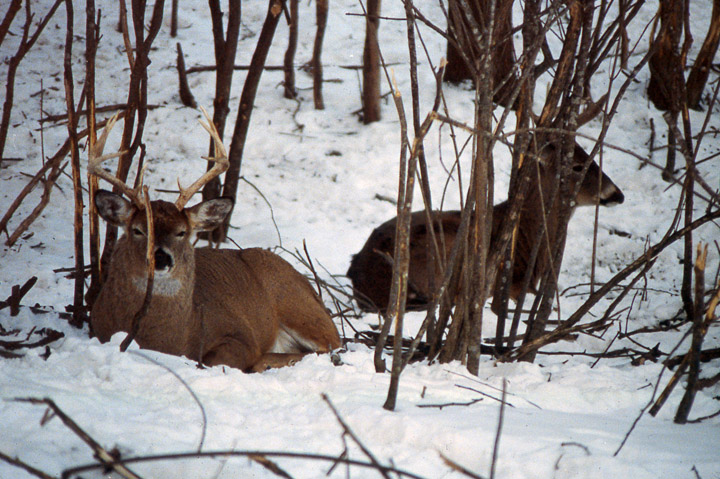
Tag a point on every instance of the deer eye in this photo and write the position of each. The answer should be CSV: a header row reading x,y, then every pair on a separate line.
x,y
181,234
138,232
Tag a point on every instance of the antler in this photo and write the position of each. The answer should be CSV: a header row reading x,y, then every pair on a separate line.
x,y
96,157
221,164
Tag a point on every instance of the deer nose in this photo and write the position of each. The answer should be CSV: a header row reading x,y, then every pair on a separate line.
x,y
614,199
162,260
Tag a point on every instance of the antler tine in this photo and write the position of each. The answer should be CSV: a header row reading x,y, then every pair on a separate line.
x,y
96,158
220,159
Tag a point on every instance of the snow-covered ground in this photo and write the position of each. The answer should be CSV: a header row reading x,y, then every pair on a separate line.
x,y
321,172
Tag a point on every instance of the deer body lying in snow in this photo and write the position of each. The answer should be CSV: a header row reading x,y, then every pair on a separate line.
x,y
249,309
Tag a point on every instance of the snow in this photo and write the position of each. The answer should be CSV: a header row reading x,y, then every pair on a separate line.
x,y
320,172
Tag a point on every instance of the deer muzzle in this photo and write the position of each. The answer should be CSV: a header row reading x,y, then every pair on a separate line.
x,y
616,197
163,260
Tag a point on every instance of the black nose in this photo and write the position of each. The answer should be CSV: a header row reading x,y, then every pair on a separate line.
x,y
614,199
162,260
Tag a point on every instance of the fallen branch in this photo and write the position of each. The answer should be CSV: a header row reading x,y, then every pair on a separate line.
x,y
50,336
705,356
106,458
448,404
68,473
17,294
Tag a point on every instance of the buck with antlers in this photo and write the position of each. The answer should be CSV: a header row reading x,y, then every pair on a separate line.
x,y
248,308
371,269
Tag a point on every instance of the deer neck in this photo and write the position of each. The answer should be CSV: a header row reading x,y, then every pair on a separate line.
x,y
538,218
169,322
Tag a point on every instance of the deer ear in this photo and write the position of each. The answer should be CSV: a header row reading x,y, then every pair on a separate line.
x,y
113,208
209,214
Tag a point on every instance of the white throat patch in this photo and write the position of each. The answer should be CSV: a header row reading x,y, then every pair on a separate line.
x,y
163,285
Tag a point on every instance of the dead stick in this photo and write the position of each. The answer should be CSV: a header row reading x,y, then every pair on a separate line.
x,y
26,467
496,444
269,465
100,453
17,294
382,469
186,95
75,471
457,467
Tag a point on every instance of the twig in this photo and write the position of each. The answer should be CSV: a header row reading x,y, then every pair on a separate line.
x,y
189,389
650,402
50,336
53,162
501,400
26,43
68,473
496,444
570,325
382,469
312,269
79,316
269,205
457,467
448,404
16,295
101,454
269,465
26,467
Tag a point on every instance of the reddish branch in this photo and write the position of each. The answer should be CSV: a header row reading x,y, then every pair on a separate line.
x,y
78,300
321,15
289,60
92,34
225,49
247,101
701,68
371,64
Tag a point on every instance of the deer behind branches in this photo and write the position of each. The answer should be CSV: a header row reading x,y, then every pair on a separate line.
x,y
371,269
249,308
